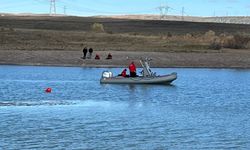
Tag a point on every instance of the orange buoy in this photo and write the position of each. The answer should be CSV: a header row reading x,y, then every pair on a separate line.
x,y
48,90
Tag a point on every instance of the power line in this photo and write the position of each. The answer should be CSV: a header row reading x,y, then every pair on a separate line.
x,y
72,7
13,5
182,13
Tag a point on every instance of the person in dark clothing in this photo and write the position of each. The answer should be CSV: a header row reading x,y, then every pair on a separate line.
x,y
84,51
97,56
109,56
90,53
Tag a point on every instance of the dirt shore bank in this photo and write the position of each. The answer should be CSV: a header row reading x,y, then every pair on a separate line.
x,y
57,41
222,59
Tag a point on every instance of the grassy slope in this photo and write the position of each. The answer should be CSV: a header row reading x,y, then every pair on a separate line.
x,y
71,33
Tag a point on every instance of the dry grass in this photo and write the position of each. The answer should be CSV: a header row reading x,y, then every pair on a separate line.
x,y
72,40
116,35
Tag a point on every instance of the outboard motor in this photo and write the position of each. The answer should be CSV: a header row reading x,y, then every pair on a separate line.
x,y
107,74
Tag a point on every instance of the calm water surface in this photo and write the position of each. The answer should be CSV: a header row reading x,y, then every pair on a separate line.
x,y
203,109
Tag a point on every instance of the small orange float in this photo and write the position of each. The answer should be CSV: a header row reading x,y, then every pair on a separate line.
x,y
48,90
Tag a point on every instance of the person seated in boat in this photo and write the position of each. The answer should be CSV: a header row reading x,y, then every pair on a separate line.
x,y
132,69
97,56
124,73
109,56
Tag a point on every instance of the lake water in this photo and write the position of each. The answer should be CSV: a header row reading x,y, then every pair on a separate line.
x,y
202,109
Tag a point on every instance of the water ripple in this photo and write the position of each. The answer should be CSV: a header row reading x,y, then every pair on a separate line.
x,y
204,109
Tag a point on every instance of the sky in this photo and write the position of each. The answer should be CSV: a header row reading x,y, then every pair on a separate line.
x,y
124,7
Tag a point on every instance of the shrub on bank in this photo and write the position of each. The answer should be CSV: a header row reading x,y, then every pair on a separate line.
x,y
237,42
97,27
248,45
215,45
210,33
2,29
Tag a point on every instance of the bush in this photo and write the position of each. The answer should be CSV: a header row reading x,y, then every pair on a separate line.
x,y
169,35
11,29
215,45
210,33
248,45
237,42
209,36
188,36
97,27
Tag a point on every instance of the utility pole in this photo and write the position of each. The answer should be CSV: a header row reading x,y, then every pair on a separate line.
x,y
64,10
182,13
52,7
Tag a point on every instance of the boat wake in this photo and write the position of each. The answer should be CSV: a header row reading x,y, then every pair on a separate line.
x,y
36,103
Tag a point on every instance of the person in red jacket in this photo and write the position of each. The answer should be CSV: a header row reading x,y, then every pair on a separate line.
x,y
109,56
97,56
124,73
132,69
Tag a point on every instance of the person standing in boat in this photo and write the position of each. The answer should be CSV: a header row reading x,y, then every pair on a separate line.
x,y
132,69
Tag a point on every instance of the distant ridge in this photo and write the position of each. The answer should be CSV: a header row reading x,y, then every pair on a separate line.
x,y
217,19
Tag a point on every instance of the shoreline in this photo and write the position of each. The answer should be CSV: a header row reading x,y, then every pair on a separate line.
x,y
234,59
116,66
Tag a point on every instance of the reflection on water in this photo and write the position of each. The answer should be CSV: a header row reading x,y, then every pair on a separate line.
x,y
202,109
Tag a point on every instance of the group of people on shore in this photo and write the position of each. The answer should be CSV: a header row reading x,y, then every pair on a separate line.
x,y
132,71
85,51
90,50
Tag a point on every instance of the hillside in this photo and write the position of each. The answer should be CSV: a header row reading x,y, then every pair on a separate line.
x,y
71,33
46,40
216,19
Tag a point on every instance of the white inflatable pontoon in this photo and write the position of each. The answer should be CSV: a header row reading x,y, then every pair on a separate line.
x,y
148,77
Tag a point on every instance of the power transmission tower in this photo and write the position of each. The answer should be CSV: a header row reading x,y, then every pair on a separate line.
x,y
52,7
163,11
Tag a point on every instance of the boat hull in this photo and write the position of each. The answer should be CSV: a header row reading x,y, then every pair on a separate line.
x,y
166,79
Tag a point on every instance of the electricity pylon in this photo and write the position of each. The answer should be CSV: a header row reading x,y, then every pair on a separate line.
x,y
52,7
163,11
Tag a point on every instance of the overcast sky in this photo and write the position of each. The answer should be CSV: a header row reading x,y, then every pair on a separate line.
x,y
117,7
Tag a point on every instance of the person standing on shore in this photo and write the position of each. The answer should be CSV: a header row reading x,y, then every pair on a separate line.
x,y
132,69
90,52
84,51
